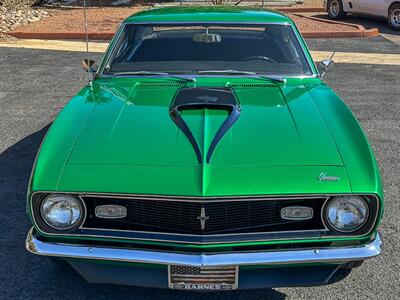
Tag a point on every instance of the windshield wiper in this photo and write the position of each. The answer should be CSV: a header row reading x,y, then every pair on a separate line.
x,y
238,72
271,78
186,79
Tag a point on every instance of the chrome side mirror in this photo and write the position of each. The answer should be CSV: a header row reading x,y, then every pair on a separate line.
x,y
324,66
89,65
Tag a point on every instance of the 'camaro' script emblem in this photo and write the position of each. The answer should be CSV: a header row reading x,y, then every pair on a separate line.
x,y
324,177
203,218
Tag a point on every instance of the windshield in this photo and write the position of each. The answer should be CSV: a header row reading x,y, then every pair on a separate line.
x,y
214,49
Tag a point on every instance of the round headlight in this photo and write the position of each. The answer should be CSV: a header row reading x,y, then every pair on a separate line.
x,y
61,212
347,213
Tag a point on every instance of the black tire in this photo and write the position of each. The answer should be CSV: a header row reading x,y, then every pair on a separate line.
x,y
352,265
57,262
339,275
335,9
394,16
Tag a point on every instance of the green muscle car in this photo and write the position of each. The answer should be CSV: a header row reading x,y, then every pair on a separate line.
x,y
206,154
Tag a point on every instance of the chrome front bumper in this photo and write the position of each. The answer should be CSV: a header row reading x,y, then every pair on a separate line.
x,y
322,255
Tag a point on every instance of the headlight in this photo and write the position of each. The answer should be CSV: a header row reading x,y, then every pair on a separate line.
x,y
62,212
347,213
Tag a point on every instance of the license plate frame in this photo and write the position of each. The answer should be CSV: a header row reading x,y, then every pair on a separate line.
x,y
205,280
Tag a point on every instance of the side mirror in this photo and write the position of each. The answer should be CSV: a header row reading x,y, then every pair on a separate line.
x,y
89,65
324,66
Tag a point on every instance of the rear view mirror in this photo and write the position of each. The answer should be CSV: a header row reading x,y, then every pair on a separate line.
x,y
89,65
207,37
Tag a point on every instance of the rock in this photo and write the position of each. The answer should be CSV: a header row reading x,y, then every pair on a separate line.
x,y
5,37
13,16
15,25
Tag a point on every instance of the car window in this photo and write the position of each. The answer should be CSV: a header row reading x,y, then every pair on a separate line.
x,y
266,49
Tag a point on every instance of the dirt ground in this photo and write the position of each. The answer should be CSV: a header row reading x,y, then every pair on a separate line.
x,y
108,19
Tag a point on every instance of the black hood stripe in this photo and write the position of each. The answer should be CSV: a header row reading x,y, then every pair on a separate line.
x,y
228,123
198,98
176,117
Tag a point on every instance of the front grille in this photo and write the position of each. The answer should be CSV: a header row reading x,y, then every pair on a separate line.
x,y
203,217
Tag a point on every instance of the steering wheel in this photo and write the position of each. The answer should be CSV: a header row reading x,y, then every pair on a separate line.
x,y
268,59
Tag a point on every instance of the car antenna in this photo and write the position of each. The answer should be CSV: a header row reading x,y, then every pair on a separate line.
x,y
333,55
90,75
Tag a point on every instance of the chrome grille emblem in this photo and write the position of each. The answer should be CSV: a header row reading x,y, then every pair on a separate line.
x,y
203,218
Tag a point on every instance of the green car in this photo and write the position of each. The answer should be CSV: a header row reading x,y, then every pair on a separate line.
x,y
206,154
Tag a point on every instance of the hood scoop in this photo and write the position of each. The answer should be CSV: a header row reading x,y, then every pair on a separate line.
x,y
210,98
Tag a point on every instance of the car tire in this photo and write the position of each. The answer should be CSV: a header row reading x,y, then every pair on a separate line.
x,y
57,262
351,265
394,16
335,9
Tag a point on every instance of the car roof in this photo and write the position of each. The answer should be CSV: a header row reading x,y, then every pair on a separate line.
x,y
219,14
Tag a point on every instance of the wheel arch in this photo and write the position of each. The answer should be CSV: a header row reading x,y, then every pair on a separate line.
x,y
392,4
346,5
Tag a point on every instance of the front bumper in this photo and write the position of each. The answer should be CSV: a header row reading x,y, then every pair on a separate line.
x,y
281,257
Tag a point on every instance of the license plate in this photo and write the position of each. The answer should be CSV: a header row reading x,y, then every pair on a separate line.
x,y
203,278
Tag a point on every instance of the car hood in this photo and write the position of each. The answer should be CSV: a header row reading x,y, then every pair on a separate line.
x,y
280,144
131,125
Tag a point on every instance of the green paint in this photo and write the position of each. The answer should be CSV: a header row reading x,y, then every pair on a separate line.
x,y
118,137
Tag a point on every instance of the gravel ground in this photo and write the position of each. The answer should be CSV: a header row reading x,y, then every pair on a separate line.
x,y
36,84
108,19
306,25
71,20
13,17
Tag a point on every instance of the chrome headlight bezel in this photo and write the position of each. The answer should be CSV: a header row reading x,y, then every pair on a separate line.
x,y
69,197
356,229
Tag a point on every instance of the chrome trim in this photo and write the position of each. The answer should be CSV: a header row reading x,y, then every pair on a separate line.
x,y
109,51
197,198
35,161
314,255
213,199
301,42
309,209
122,209
148,238
212,76
325,209
206,23
81,219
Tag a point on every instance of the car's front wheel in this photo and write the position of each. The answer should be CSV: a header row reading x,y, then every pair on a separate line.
x,y
394,16
335,9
